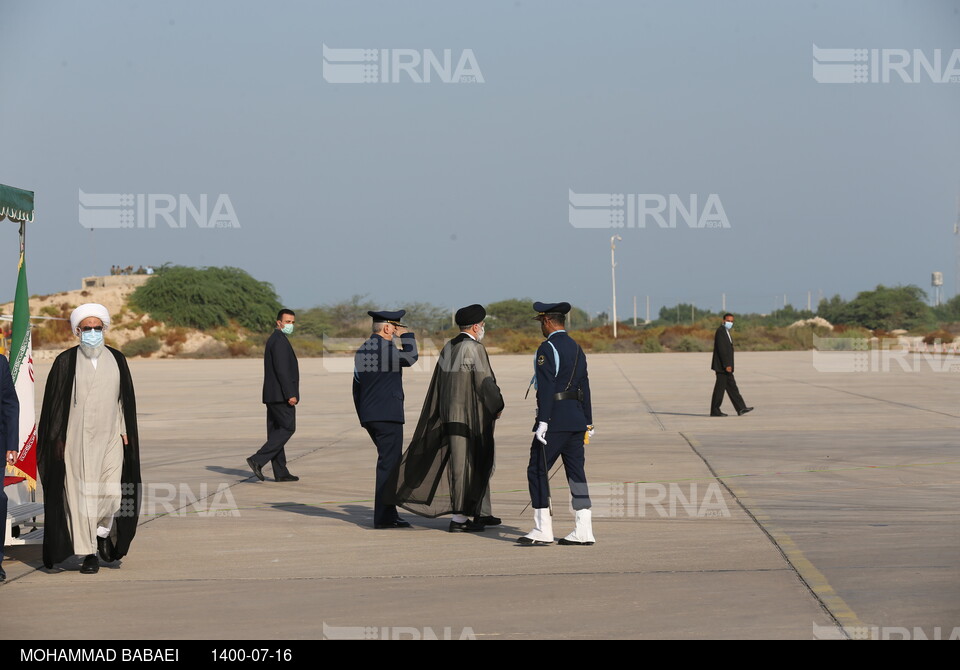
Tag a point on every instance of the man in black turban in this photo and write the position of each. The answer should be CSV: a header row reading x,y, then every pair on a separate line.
x,y
447,467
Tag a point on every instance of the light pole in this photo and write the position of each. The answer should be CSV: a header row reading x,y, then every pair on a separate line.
x,y
613,274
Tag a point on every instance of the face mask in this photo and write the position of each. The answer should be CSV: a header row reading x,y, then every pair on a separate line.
x,y
287,329
728,324
92,338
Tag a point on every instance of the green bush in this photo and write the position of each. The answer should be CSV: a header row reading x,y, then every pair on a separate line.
x,y
207,298
691,344
142,347
651,346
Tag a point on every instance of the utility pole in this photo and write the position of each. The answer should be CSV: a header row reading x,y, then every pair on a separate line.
x,y
613,275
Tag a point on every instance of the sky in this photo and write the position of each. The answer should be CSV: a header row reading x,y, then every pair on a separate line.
x,y
471,189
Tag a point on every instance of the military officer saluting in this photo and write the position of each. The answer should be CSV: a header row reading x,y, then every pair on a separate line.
x,y
564,416
378,398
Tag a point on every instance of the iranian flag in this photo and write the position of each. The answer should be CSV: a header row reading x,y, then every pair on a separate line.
x,y
21,365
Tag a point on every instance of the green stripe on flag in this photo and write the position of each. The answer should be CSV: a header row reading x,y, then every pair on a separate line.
x,y
21,322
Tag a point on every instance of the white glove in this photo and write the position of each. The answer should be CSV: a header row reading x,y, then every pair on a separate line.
x,y
590,431
541,433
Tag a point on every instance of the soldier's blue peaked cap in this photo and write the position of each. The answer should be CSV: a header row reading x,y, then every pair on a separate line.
x,y
542,308
389,317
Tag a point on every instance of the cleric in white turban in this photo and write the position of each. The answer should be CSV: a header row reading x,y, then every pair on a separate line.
x,y
88,449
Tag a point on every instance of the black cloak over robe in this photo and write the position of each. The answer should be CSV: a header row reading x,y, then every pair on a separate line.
x,y
447,467
51,443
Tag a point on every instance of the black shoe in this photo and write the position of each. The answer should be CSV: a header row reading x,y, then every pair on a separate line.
x,y
564,540
467,526
105,548
90,566
287,478
3,575
741,412
257,469
399,523
528,542
487,520
718,414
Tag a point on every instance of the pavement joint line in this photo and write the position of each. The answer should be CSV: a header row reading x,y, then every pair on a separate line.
x,y
808,574
640,395
859,395
525,575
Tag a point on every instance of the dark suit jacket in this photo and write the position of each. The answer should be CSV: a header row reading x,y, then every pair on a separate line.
x,y
9,411
722,351
378,377
562,415
281,373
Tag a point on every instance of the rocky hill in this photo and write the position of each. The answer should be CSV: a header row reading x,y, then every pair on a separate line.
x,y
130,331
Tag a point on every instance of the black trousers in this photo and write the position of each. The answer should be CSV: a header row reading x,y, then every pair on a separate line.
x,y
726,384
3,515
569,447
281,425
388,437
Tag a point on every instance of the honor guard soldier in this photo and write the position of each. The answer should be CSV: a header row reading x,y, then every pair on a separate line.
x,y
564,416
378,398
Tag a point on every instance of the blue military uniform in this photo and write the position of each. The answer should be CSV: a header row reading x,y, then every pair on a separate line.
x,y
566,419
563,404
378,399
9,437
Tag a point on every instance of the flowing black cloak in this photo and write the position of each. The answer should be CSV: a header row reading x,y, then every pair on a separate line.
x,y
462,404
51,442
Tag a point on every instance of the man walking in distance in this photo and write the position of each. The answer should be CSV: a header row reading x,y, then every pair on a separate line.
x,y
281,393
722,364
378,399
564,416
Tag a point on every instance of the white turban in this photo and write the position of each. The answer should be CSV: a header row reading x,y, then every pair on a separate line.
x,y
87,310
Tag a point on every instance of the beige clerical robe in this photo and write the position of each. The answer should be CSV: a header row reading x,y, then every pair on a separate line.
x,y
94,451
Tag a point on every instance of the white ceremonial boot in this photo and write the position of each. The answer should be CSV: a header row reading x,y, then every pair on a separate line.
x,y
542,533
583,533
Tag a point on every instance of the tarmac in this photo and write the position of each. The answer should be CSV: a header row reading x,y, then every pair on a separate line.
x,y
828,512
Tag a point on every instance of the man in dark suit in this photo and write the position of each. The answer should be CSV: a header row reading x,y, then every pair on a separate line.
x,y
722,364
378,399
281,393
564,417
9,439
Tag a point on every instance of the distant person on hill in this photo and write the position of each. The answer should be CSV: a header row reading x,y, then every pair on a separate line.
x,y
722,364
